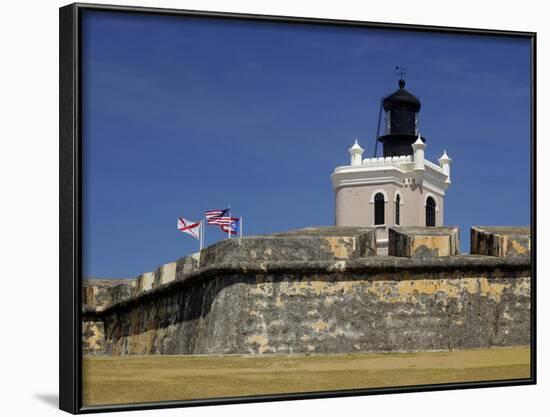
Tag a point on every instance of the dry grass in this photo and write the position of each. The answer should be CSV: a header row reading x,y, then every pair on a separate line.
x,y
134,379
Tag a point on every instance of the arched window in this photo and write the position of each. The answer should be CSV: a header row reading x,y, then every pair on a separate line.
x,y
397,204
379,208
430,212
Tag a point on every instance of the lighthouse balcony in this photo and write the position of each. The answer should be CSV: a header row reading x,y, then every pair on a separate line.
x,y
404,163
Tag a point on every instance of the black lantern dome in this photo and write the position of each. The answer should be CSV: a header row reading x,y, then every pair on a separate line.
x,y
401,100
401,109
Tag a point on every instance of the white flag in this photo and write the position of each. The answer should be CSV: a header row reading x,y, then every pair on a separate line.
x,y
189,227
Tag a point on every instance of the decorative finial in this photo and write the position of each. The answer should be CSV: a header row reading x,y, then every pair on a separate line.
x,y
445,164
419,140
356,147
401,71
418,154
356,153
445,157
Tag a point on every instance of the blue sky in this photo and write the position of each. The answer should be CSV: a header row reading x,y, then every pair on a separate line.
x,y
182,115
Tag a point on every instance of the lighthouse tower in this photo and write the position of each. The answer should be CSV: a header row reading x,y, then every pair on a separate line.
x,y
402,188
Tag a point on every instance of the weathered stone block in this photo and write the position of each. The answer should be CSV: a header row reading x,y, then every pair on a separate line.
x,y
309,244
100,293
501,241
165,274
423,242
145,282
93,337
187,265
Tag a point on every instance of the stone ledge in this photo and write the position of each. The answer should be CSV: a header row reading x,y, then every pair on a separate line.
x,y
314,243
501,241
423,242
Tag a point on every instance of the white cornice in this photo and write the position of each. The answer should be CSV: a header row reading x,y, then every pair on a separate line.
x,y
395,170
434,188
339,182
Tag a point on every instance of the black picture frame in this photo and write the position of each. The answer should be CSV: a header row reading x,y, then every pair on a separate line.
x,y
70,260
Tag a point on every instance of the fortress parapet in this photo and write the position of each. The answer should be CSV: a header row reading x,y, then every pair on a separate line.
x,y
317,290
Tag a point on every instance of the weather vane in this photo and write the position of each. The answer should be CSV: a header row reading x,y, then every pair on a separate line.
x,y
400,70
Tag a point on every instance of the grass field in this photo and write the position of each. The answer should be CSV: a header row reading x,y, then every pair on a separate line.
x,y
134,379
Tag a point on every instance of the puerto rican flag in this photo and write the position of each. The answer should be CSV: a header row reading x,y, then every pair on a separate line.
x,y
233,227
214,214
190,227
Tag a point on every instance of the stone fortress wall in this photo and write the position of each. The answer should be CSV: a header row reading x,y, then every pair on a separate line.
x,y
321,290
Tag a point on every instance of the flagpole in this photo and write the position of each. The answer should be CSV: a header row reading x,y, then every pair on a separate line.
x,y
201,236
204,238
229,228
241,227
